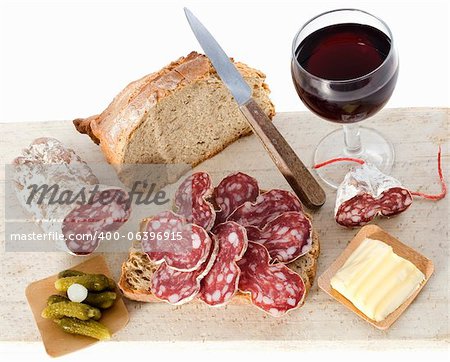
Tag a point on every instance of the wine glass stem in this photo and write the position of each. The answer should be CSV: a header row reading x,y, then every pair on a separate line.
x,y
352,138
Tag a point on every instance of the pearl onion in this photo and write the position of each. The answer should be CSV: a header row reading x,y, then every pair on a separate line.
x,y
77,293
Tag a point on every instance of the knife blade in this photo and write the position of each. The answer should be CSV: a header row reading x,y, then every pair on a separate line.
x,y
284,157
220,61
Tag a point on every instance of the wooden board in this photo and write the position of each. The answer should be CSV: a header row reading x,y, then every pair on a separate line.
x,y
415,133
424,264
56,341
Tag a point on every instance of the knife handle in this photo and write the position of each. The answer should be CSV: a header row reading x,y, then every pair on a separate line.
x,y
295,172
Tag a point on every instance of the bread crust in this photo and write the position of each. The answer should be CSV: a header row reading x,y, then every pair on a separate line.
x,y
114,127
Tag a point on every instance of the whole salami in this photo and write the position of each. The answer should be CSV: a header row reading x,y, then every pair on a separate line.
x,y
221,283
232,192
275,289
365,193
267,207
178,287
168,237
287,237
48,163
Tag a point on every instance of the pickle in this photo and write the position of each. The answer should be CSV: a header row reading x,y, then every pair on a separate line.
x,y
88,328
69,273
111,284
56,298
71,309
102,300
92,282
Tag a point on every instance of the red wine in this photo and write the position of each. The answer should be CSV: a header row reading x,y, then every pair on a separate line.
x,y
328,67
343,51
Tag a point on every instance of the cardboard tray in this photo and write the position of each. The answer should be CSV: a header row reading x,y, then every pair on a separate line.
x,y
56,341
424,264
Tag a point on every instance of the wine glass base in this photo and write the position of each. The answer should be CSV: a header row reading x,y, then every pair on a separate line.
x,y
375,150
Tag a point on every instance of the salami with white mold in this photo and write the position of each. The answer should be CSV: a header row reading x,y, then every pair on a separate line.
x,y
275,288
191,200
168,237
267,207
287,237
221,283
232,192
365,193
178,287
48,163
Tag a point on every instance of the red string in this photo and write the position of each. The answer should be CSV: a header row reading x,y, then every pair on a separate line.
x,y
339,159
435,197
443,192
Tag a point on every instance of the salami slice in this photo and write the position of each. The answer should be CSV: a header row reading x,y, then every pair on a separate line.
x,y
169,237
191,200
66,207
286,237
177,287
232,192
267,207
365,193
83,226
275,289
221,283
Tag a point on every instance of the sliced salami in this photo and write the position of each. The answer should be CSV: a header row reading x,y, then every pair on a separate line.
x,y
286,237
191,200
169,237
365,193
83,226
275,289
68,209
232,192
177,287
267,207
221,283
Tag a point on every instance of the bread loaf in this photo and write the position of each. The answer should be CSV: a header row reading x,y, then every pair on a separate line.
x,y
181,114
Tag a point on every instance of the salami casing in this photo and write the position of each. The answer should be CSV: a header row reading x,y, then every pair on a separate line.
x,y
267,206
221,283
46,162
286,237
169,237
367,192
191,200
232,192
275,289
178,287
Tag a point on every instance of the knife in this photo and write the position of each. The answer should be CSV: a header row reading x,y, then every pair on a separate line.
x,y
284,157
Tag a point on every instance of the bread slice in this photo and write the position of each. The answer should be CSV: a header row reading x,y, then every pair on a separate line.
x,y
137,271
181,114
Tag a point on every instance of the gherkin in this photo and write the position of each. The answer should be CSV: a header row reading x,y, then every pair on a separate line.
x,y
92,282
71,309
69,273
102,300
88,328
56,298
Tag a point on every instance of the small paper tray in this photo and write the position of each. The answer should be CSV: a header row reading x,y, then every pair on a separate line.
x,y
424,264
56,341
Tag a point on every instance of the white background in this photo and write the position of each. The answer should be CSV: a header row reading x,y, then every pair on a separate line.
x,y
66,59
60,60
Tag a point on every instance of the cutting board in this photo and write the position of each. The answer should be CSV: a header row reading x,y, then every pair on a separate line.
x,y
415,133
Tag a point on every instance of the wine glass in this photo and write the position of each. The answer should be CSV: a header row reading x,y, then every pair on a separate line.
x,y
344,68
